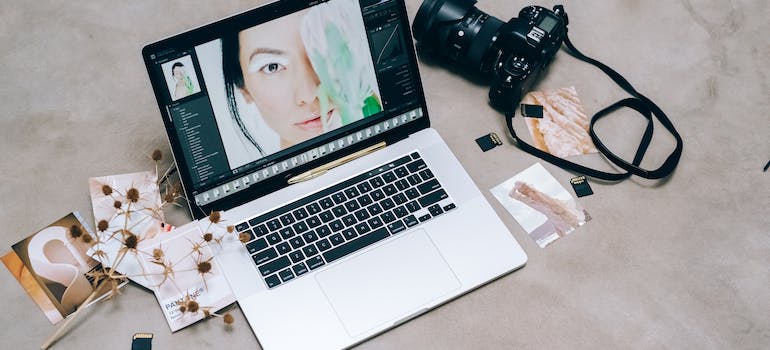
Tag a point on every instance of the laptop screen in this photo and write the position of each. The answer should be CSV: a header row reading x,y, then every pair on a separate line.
x,y
277,89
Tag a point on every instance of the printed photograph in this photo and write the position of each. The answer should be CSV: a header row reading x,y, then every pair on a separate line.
x,y
563,129
286,81
53,266
543,208
181,78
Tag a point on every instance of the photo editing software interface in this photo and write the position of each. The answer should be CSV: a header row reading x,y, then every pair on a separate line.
x,y
242,106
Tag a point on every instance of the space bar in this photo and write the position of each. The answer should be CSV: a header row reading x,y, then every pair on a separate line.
x,y
354,245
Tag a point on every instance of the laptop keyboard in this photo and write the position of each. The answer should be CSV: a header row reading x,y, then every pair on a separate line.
x,y
328,225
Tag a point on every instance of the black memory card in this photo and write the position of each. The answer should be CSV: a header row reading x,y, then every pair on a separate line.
x,y
581,186
488,142
531,111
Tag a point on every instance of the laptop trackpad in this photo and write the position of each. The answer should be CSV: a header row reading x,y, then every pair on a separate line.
x,y
388,283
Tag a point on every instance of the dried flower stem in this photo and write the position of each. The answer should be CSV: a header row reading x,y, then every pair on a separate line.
x,y
60,332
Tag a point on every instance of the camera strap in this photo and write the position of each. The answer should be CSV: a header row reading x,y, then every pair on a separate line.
x,y
639,103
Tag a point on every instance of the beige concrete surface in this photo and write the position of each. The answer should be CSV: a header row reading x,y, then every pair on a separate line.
x,y
677,264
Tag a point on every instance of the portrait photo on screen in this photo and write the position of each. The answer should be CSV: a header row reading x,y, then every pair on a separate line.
x,y
277,84
181,78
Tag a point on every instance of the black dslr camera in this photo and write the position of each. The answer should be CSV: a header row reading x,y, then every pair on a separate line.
x,y
512,55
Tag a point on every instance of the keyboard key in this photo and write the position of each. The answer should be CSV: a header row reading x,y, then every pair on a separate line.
x,y
296,242
435,210
264,256
300,227
362,215
389,190
310,237
351,192
287,219
426,174
313,208
274,225
283,248
396,227
375,222
387,204
415,155
364,187
256,246
410,221
274,238
336,225
377,195
324,245
315,262
286,275
356,244
337,239
389,177
255,221
402,184
296,256
374,209
323,231
449,207
362,228
338,198
349,233
287,232
412,206
349,219
310,250
274,266
365,200
412,193
300,213
326,216
339,210
414,179
261,230
416,166
429,186
300,269
388,217
376,182
401,172
272,281
424,218
326,203
242,227
433,197
400,199
401,211
352,206
313,221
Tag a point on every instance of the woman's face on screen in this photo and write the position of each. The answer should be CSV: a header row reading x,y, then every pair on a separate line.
x,y
280,80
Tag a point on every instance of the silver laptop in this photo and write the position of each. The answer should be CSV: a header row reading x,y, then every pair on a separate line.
x,y
305,122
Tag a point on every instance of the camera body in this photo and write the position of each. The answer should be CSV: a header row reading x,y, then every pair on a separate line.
x,y
509,55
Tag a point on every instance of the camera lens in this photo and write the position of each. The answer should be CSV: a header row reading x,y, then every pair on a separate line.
x,y
457,30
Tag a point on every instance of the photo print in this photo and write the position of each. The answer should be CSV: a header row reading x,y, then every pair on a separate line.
x,y
543,208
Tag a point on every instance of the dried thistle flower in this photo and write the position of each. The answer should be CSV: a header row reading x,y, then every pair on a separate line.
x,y
206,313
208,237
131,241
204,267
102,225
215,217
132,195
170,197
75,231
183,309
87,238
158,254
156,155
230,229
117,204
107,190
228,319
192,306
244,237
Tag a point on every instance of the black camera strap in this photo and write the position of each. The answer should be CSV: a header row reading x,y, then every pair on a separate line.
x,y
639,103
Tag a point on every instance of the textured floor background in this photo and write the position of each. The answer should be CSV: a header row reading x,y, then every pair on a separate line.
x,y
681,264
